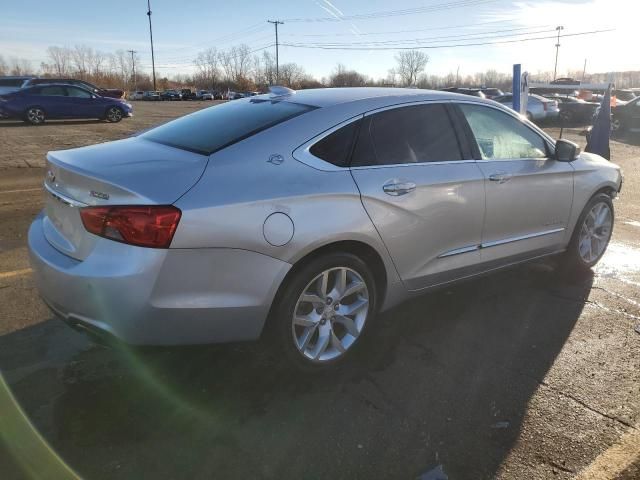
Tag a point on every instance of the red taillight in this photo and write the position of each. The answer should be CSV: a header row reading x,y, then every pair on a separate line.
x,y
145,226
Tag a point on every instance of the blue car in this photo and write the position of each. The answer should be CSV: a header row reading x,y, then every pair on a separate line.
x,y
60,101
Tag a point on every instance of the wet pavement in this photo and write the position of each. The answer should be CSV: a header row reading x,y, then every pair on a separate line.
x,y
527,373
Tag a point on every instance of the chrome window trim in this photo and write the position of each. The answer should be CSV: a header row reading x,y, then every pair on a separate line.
x,y
303,154
63,198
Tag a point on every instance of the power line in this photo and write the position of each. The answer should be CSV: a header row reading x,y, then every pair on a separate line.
x,y
393,13
182,64
428,40
429,47
393,32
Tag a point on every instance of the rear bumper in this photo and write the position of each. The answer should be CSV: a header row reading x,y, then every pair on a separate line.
x,y
145,296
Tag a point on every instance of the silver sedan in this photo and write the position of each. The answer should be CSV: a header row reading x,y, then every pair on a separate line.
x,y
306,213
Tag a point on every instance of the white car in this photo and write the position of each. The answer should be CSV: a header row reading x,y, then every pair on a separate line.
x,y
204,95
538,108
137,95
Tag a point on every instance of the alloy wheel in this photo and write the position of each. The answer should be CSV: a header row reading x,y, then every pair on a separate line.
x,y
35,115
114,114
330,314
595,232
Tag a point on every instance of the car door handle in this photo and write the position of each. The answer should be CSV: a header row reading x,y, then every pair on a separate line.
x,y
397,188
500,177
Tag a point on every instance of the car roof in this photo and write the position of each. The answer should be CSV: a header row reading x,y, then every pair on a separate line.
x,y
326,97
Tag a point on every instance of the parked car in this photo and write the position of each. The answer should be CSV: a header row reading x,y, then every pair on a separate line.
x,y
187,94
574,109
306,214
624,95
12,83
492,93
538,107
103,92
39,103
217,95
234,95
565,81
626,118
474,92
204,95
151,95
136,95
171,95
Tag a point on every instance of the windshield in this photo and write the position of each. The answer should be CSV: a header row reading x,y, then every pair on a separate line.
x,y
214,128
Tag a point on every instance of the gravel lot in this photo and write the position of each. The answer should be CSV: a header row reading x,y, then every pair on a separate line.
x,y
524,374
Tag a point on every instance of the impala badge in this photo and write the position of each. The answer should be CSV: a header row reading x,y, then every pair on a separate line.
x,y
51,177
276,159
100,195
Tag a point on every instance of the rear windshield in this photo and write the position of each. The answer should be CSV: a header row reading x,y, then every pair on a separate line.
x,y
214,128
11,82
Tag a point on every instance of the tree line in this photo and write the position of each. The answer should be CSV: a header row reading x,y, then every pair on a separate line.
x,y
238,68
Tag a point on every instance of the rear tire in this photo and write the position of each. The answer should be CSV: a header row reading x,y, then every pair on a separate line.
x,y
323,310
591,235
34,116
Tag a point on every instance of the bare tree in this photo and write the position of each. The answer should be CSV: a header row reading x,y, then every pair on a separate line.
x,y
236,63
342,77
208,64
81,56
60,60
20,66
291,74
4,68
410,64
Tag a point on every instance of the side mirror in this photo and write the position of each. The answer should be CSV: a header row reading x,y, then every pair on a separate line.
x,y
566,151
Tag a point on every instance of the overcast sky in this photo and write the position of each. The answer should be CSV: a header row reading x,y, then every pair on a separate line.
x,y
181,29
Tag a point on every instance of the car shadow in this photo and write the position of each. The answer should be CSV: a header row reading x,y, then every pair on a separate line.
x,y
20,123
444,379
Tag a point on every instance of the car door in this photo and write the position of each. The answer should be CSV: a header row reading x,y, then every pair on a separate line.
x,y
422,191
528,193
634,114
52,99
82,104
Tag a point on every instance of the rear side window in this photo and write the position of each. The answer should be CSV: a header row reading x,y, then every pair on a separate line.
x,y
78,92
214,128
336,147
415,134
54,91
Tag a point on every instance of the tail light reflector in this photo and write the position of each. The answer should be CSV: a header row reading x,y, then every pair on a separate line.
x,y
144,226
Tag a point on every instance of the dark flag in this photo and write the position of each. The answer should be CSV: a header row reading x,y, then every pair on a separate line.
x,y
598,141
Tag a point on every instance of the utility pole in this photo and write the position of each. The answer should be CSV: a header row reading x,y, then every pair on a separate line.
x,y
584,70
276,23
153,61
559,28
457,75
133,66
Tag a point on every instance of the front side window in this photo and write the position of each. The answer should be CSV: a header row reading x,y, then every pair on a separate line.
x,y
414,134
501,136
53,91
214,128
78,92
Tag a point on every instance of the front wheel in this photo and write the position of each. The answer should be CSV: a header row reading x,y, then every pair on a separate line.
x,y
35,116
592,233
324,309
114,115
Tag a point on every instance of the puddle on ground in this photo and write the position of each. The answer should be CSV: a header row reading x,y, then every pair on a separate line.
x,y
621,262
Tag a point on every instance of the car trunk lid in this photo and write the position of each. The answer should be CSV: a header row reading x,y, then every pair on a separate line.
x,y
127,172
